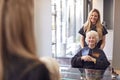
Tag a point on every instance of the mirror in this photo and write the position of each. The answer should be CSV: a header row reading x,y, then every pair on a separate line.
x,y
68,16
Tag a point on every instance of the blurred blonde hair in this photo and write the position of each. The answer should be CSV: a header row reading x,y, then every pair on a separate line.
x,y
53,67
88,24
16,30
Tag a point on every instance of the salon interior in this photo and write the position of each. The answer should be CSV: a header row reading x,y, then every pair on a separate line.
x,y
56,27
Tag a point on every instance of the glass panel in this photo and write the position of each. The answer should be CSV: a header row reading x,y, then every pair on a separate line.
x,y
68,73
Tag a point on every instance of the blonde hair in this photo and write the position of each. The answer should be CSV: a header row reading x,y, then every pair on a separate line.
x,y
93,34
52,66
16,30
99,26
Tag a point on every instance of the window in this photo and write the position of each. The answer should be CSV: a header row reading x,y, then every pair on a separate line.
x,y
67,18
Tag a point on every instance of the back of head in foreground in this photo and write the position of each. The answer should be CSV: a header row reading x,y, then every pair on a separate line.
x,y
17,45
53,67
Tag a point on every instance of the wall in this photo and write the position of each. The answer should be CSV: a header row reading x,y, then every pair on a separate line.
x,y
108,18
43,27
108,13
116,45
98,4
108,49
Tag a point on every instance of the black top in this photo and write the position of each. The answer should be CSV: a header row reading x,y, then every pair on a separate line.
x,y
25,69
101,60
82,32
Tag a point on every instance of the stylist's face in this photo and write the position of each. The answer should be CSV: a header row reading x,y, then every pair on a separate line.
x,y
94,17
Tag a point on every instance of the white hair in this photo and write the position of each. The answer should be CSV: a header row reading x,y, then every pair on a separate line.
x,y
92,33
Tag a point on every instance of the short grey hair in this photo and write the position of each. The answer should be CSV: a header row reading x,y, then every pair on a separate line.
x,y
92,33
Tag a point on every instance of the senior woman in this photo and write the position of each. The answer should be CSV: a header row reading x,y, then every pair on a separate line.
x,y
90,57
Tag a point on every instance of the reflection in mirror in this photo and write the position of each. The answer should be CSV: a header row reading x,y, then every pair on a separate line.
x,y
68,16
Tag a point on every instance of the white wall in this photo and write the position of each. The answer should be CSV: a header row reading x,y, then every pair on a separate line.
x,y
108,49
43,27
98,4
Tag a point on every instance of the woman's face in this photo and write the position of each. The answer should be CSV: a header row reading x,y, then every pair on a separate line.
x,y
92,40
94,17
